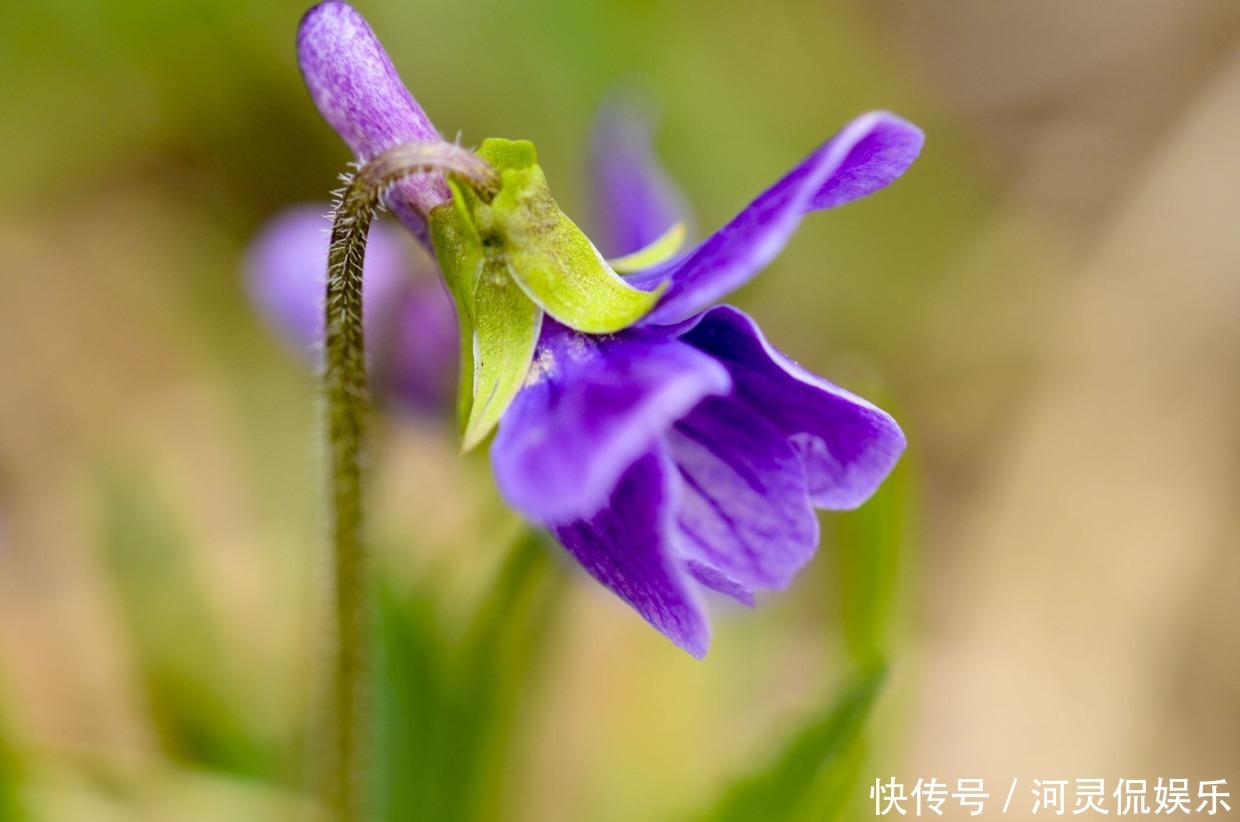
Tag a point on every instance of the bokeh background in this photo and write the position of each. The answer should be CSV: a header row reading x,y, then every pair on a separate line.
x,y
1049,301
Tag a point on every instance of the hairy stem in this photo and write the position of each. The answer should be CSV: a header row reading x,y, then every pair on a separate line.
x,y
345,733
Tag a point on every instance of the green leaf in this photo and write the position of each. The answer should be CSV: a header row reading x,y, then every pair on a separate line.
x,y
660,251
448,703
412,697
817,767
548,255
871,543
191,687
506,645
10,776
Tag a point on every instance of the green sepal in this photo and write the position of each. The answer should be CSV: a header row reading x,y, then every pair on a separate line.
x,y
499,324
660,251
508,155
459,252
548,256
506,327
457,244
507,260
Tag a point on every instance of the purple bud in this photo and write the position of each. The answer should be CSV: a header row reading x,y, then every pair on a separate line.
x,y
356,88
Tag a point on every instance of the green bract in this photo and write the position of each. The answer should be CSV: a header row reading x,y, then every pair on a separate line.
x,y
508,260
659,251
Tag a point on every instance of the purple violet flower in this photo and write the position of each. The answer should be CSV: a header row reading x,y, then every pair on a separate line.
x,y
684,453
410,327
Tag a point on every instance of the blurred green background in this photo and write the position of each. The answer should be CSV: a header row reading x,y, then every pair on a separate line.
x,y
1049,302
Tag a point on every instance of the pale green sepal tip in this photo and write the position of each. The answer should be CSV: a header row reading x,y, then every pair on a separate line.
x,y
508,154
506,328
575,286
660,251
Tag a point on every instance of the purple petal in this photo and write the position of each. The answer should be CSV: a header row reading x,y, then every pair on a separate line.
x,y
591,406
357,90
714,579
636,201
848,445
745,510
884,147
627,547
866,155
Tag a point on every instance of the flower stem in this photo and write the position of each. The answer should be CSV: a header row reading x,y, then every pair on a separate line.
x,y
345,733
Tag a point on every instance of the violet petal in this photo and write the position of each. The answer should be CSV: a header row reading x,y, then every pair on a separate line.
x,y
886,147
717,581
849,446
744,507
866,155
627,547
591,406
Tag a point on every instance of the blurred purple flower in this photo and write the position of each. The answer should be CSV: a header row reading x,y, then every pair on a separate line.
x,y
635,200
683,453
411,331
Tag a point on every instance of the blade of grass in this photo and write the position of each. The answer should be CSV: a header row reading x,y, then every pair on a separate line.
x,y
10,776
196,710
447,709
411,700
506,646
818,764
871,543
